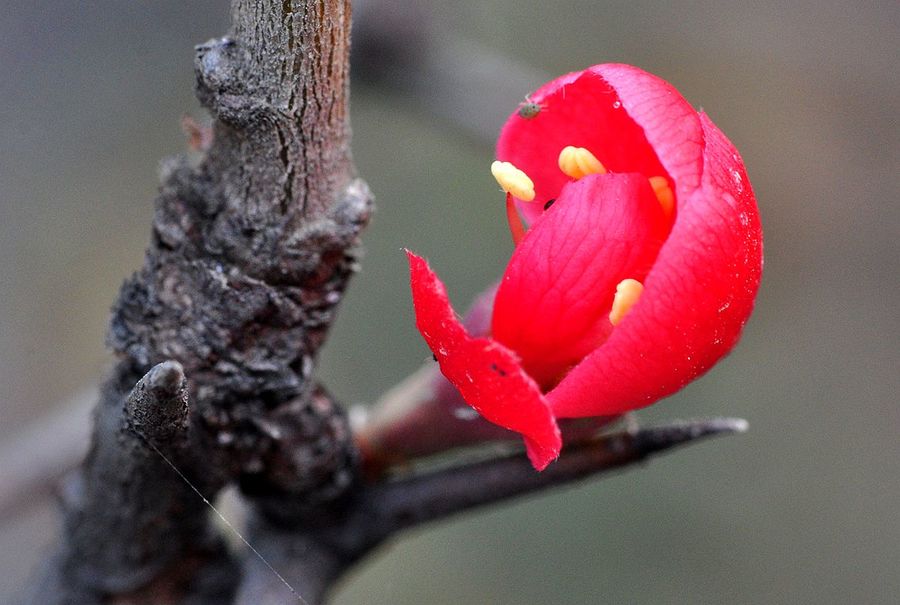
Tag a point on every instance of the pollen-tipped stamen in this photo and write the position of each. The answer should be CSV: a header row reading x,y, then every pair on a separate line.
x,y
512,180
627,294
516,184
664,194
578,162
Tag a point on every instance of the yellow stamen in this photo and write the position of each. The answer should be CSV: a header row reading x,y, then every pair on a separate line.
x,y
627,294
513,180
577,162
664,193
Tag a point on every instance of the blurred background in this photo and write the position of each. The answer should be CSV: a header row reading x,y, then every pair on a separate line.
x,y
802,509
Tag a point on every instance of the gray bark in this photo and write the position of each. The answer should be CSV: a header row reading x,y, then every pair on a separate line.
x,y
251,250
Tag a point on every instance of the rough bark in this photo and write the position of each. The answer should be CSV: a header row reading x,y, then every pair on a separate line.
x,y
250,253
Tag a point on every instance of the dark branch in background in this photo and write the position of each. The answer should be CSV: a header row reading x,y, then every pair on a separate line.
x,y
469,87
375,513
39,455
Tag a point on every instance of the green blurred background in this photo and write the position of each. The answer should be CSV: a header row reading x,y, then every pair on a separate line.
x,y
802,509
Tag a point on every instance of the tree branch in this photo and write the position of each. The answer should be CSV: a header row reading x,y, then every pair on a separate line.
x,y
420,499
315,555
251,251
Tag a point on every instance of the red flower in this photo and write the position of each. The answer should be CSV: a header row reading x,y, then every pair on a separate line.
x,y
637,273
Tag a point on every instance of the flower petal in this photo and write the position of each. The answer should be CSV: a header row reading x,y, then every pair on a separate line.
x,y
668,122
553,303
487,374
696,298
617,112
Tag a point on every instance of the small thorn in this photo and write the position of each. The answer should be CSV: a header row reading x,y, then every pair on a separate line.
x,y
659,438
738,425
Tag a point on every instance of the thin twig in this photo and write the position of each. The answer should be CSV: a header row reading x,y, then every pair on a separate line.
x,y
419,499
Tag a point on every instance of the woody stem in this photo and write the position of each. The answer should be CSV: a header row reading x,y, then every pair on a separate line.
x,y
376,512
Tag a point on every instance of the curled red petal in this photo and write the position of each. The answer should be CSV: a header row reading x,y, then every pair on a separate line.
x,y
624,116
487,374
696,298
553,303
667,121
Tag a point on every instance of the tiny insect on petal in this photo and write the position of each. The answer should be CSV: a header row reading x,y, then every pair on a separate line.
x,y
529,109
